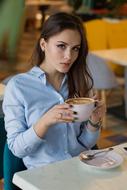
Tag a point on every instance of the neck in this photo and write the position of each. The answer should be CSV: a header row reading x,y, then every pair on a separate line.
x,y
54,77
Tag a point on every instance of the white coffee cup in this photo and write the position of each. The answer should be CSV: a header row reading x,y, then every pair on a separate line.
x,y
83,106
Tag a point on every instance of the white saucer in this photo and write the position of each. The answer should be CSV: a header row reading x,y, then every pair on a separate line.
x,y
105,161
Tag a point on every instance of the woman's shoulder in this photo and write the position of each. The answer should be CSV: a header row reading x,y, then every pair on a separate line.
x,y
23,80
18,81
17,78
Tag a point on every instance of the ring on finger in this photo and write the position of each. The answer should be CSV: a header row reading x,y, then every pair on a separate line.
x,y
60,115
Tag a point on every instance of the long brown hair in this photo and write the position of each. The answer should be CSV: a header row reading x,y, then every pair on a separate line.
x,y
79,80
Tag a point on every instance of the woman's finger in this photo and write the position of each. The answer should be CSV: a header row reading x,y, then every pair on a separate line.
x,y
63,106
95,97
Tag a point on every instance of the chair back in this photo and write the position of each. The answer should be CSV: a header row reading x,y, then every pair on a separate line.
x,y
2,143
117,34
117,38
11,165
96,34
103,76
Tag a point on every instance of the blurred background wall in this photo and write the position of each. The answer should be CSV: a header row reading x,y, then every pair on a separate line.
x,y
11,22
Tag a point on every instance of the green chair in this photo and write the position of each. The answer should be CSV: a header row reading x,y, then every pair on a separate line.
x,y
11,165
2,143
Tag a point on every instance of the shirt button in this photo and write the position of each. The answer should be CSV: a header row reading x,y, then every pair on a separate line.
x,y
28,149
61,99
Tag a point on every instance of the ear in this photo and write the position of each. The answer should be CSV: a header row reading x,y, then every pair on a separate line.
x,y
42,44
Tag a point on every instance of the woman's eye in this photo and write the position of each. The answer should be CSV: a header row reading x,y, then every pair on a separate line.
x,y
62,46
76,49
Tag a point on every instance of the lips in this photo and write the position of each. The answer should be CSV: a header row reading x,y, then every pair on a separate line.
x,y
67,64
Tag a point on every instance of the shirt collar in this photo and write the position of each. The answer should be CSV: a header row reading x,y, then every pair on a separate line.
x,y
64,80
37,71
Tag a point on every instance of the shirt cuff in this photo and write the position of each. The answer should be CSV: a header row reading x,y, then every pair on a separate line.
x,y
32,140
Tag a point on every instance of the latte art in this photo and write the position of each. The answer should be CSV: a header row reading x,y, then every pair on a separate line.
x,y
79,101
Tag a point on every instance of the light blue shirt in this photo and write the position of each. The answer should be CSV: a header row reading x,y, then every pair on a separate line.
x,y
27,97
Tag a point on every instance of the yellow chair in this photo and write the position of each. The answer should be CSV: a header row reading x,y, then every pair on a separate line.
x,y
96,34
117,38
117,34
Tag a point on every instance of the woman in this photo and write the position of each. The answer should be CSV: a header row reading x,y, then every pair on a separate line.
x,y
36,117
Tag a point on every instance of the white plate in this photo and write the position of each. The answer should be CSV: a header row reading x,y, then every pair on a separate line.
x,y
105,160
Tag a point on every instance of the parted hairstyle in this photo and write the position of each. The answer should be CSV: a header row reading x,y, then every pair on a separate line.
x,y
80,81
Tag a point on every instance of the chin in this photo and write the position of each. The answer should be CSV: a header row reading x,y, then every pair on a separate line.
x,y
64,71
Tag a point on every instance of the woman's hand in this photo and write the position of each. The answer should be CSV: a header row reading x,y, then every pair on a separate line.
x,y
99,112
96,117
57,114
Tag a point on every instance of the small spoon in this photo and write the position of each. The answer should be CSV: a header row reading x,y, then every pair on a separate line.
x,y
91,156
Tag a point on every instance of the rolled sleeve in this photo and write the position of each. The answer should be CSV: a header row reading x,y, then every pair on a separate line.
x,y
25,143
21,139
89,138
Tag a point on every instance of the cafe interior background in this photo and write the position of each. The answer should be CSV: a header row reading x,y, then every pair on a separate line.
x,y
20,25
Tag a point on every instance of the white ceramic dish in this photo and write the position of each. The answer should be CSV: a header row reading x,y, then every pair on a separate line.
x,y
105,161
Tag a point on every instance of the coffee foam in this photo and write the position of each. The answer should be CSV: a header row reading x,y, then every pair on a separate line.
x,y
79,101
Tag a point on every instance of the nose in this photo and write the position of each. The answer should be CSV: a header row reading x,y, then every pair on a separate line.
x,y
67,54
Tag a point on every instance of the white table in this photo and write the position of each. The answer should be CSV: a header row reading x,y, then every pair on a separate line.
x,y
72,174
2,87
118,56
45,2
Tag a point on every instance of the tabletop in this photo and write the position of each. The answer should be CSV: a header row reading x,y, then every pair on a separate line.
x,y
45,2
74,174
2,87
118,56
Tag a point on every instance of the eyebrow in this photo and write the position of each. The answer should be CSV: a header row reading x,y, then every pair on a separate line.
x,y
68,44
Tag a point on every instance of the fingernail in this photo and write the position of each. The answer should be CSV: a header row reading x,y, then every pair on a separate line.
x,y
75,112
125,148
95,104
